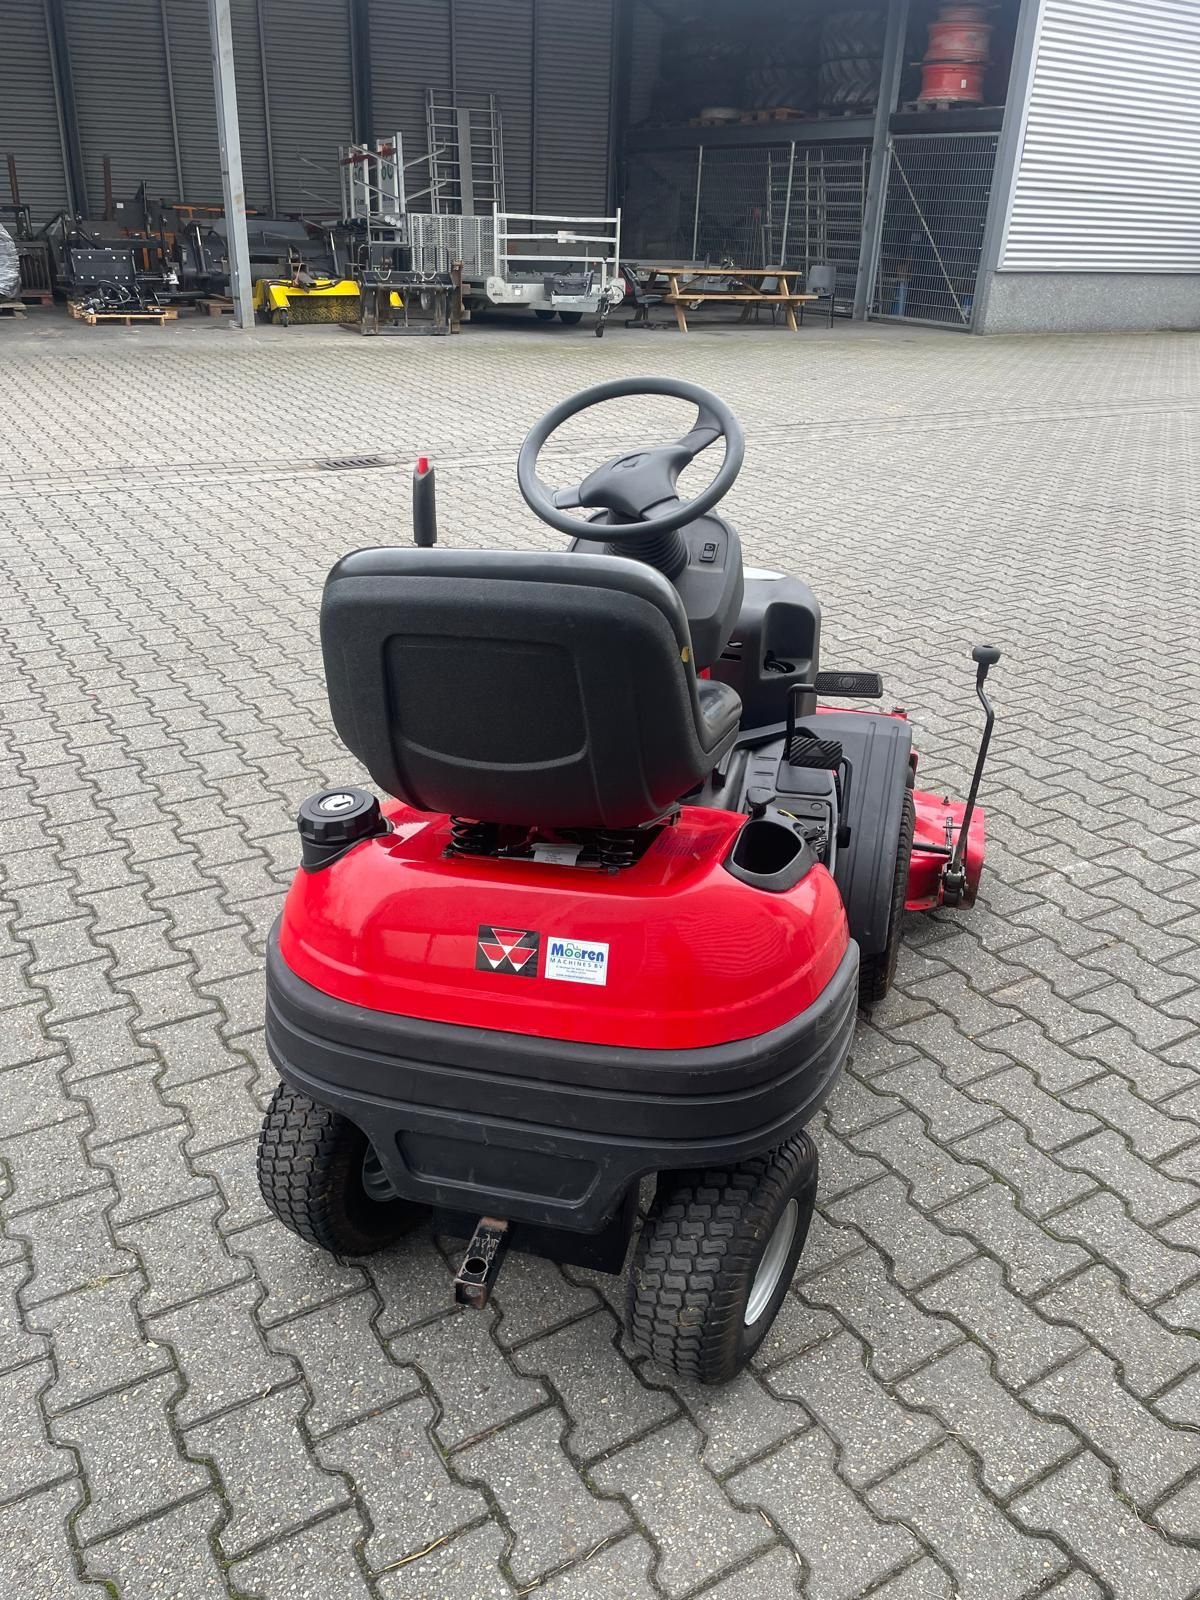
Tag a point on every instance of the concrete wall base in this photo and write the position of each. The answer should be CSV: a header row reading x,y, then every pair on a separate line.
x,y
1088,302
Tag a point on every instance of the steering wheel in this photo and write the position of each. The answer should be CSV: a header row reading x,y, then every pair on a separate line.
x,y
634,486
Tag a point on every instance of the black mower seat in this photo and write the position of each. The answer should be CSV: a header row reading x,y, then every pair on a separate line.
x,y
552,690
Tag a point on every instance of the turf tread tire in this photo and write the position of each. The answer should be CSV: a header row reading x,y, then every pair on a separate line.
x,y
310,1173
697,1256
876,973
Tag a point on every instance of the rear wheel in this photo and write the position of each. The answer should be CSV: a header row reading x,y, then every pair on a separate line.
x,y
715,1259
876,972
320,1175
571,318
543,315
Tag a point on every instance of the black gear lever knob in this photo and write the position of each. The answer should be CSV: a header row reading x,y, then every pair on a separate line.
x,y
986,655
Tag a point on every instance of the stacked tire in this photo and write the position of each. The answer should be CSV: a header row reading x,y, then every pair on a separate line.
x,y
851,56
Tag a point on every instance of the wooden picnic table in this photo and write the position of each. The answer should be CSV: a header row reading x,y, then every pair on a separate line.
x,y
682,291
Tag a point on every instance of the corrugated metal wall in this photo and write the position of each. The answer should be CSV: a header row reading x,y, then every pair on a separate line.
x,y
547,61
119,65
572,85
28,118
410,53
309,97
195,111
1108,175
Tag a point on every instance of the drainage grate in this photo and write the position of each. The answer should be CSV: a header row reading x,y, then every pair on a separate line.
x,y
353,463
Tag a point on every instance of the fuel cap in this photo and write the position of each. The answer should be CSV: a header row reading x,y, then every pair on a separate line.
x,y
338,817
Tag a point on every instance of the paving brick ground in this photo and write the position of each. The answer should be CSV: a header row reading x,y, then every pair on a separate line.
x,y
986,1382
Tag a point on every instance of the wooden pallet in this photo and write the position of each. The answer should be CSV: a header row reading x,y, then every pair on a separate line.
x,y
86,314
36,297
11,308
215,308
772,114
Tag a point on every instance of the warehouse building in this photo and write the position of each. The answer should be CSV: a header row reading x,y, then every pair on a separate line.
x,y
1019,166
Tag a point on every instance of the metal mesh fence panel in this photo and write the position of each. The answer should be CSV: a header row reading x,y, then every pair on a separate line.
x,y
791,205
934,213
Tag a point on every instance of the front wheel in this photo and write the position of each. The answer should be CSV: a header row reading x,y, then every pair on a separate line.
x,y
715,1259
543,315
876,972
571,318
319,1174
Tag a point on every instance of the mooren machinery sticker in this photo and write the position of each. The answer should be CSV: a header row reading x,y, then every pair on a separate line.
x,y
576,960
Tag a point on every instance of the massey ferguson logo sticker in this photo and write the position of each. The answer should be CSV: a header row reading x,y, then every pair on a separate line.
x,y
512,951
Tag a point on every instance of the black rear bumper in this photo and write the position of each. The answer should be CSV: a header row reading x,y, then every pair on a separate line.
x,y
543,1130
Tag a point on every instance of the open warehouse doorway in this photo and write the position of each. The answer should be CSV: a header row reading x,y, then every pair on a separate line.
x,y
858,138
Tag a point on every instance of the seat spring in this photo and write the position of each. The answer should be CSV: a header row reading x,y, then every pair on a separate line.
x,y
471,838
616,847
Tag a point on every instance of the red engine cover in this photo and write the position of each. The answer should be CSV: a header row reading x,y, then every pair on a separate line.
x,y
670,953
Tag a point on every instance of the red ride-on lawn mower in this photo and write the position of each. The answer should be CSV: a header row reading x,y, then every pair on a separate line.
x,y
617,920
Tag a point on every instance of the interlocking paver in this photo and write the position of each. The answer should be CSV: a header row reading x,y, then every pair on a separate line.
x,y
1012,1446
1149,1267
346,1366
36,1556
1149,1455
167,1557
161,717
220,1351
1023,1344
534,1296
917,1248
1078,1503
467,1568
552,1514
738,1420
845,1549
182,1254
992,1219
130,1458
605,1402
269,1473
30,1459
98,1343
413,1499
897,1332
989,1558
697,1531
316,1561
873,1432
469,1375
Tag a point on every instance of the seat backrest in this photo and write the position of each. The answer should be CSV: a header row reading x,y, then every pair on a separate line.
x,y
553,690
822,278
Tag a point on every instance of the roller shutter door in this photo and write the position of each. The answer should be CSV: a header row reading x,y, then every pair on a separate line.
x,y
118,64
410,53
572,73
493,51
195,106
28,114
1108,178
310,103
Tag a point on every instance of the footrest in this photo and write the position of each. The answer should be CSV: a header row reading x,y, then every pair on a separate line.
x,y
850,685
806,750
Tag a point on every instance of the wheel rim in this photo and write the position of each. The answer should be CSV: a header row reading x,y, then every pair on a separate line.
x,y
374,1179
774,1259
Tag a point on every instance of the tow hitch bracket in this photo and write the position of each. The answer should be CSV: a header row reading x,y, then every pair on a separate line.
x,y
480,1266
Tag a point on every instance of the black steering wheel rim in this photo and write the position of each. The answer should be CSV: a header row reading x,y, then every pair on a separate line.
x,y
708,406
